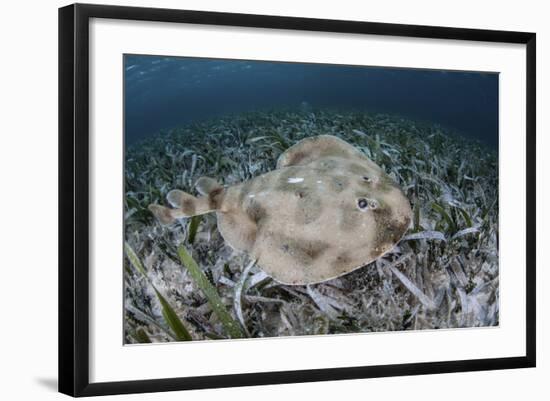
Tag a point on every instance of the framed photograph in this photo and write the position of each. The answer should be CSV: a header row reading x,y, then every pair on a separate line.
x,y
251,199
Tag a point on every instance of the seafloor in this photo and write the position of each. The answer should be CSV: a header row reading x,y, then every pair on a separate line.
x,y
442,274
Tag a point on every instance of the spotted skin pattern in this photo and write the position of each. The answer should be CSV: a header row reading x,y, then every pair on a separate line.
x,y
325,211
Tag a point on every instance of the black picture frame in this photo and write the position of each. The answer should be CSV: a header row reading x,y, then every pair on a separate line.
x,y
74,198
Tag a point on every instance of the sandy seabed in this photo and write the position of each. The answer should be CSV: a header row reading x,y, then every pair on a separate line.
x,y
442,274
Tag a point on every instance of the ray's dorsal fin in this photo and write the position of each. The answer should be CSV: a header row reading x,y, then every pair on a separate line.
x,y
314,148
187,205
183,201
206,185
164,214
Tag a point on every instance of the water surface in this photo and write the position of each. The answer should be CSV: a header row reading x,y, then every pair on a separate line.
x,y
166,92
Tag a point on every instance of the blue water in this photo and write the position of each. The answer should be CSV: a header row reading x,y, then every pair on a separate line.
x,y
166,92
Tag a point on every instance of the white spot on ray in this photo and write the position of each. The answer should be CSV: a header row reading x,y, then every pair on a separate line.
x,y
319,182
295,180
251,195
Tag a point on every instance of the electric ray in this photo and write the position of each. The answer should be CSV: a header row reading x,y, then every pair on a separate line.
x,y
327,209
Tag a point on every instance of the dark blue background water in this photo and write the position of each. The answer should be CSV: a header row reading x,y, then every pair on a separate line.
x,y
163,93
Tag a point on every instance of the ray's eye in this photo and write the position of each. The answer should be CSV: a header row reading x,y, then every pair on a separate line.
x,y
365,204
362,204
367,179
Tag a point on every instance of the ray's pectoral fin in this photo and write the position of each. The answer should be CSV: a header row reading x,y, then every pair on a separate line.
x,y
314,148
187,205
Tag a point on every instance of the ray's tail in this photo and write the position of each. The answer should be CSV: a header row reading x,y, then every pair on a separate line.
x,y
187,205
